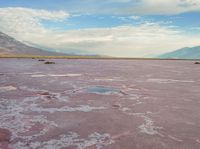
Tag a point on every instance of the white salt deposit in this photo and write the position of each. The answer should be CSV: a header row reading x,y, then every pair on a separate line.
x,y
198,141
81,108
175,138
148,126
168,81
113,79
38,76
71,139
7,88
14,118
55,75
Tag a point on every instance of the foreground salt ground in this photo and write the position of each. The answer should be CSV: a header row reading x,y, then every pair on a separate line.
x,y
99,104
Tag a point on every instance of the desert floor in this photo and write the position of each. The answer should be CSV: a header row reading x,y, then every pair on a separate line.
x,y
99,104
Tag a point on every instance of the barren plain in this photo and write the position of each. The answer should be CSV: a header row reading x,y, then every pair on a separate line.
x,y
99,104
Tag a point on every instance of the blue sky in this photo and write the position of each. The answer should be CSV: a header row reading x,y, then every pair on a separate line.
x,y
127,28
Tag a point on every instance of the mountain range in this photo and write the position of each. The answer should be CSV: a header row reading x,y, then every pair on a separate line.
x,y
11,46
184,53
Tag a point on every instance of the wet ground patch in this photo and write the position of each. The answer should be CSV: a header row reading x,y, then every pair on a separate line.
x,y
102,90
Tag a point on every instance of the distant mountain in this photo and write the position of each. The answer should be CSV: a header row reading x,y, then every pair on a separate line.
x,y
67,51
184,53
10,46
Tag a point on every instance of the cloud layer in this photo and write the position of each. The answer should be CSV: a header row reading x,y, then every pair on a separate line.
x,y
166,6
127,40
135,7
25,21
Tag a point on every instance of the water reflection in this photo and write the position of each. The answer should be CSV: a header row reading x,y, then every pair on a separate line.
x,y
102,90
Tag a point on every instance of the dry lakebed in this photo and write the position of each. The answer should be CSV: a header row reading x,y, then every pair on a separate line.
x,y
99,104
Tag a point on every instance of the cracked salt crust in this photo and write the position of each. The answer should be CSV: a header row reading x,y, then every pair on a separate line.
x,y
53,96
81,108
14,117
71,139
148,126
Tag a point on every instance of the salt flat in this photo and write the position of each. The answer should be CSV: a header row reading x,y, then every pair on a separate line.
x,y
99,104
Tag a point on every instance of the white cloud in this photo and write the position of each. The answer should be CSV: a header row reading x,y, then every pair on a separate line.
x,y
24,21
137,41
196,28
160,7
135,17
139,7
127,18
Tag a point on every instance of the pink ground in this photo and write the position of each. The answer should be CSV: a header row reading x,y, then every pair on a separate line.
x,y
155,105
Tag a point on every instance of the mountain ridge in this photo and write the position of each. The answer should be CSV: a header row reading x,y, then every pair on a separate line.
x,y
11,46
183,53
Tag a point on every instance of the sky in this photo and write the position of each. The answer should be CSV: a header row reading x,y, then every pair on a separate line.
x,y
121,28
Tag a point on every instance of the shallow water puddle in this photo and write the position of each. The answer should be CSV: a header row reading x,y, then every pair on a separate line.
x,y
102,90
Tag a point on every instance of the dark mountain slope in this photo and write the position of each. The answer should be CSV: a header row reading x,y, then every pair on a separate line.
x,y
11,46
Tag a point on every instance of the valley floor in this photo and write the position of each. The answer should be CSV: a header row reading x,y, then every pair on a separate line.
x,y
99,104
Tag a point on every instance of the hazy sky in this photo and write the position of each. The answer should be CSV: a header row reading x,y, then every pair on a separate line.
x,y
133,28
